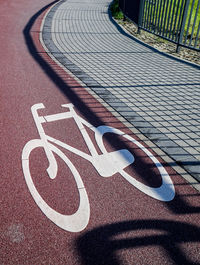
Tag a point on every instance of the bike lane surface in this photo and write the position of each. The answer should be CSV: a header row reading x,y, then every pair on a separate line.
x,y
125,226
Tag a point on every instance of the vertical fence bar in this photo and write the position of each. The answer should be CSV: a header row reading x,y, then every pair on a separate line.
x,y
175,30
145,13
141,14
158,16
153,13
124,7
165,19
189,21
180,19
150,15
161,17
197,37
172,20
169,16
185,12
157,6
195,19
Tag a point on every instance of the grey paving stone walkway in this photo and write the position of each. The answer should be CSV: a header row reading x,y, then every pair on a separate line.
x,y
159,95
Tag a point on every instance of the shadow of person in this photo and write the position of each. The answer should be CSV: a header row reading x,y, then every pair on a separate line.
x,y
99,245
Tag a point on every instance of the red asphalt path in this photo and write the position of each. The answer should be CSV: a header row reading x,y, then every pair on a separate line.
x,y
126,226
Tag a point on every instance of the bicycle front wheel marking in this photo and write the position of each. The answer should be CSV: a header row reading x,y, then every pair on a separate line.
x,y
72,223
165,192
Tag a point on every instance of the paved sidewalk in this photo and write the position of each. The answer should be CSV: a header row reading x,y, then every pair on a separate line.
x,y
158,95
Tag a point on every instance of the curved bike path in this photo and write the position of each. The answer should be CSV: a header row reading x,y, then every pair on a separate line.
x,y
125,225
158,94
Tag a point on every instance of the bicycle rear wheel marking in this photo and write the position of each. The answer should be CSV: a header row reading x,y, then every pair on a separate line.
x,y
165,192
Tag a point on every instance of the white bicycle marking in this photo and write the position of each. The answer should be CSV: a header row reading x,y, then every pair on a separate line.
x,y
106,164
163,193
73,223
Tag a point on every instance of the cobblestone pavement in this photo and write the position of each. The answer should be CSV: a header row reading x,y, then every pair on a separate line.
x,y
157,94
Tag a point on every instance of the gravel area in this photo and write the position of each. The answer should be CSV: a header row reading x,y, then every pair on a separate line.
x,y
160,44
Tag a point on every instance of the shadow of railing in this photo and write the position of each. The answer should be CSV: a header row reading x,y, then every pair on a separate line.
x,y
99,246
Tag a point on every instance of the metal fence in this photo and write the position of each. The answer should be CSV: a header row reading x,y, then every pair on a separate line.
x,y
175,20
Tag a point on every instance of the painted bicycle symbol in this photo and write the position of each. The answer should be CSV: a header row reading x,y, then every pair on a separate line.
x,y
106,164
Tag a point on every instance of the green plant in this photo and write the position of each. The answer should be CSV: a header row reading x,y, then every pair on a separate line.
x,y
115,10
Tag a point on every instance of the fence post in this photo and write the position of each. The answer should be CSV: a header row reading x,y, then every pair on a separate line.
x,y
185,11
141,11
124,10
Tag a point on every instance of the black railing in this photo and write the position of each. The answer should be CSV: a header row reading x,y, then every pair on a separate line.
x,y
175,20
